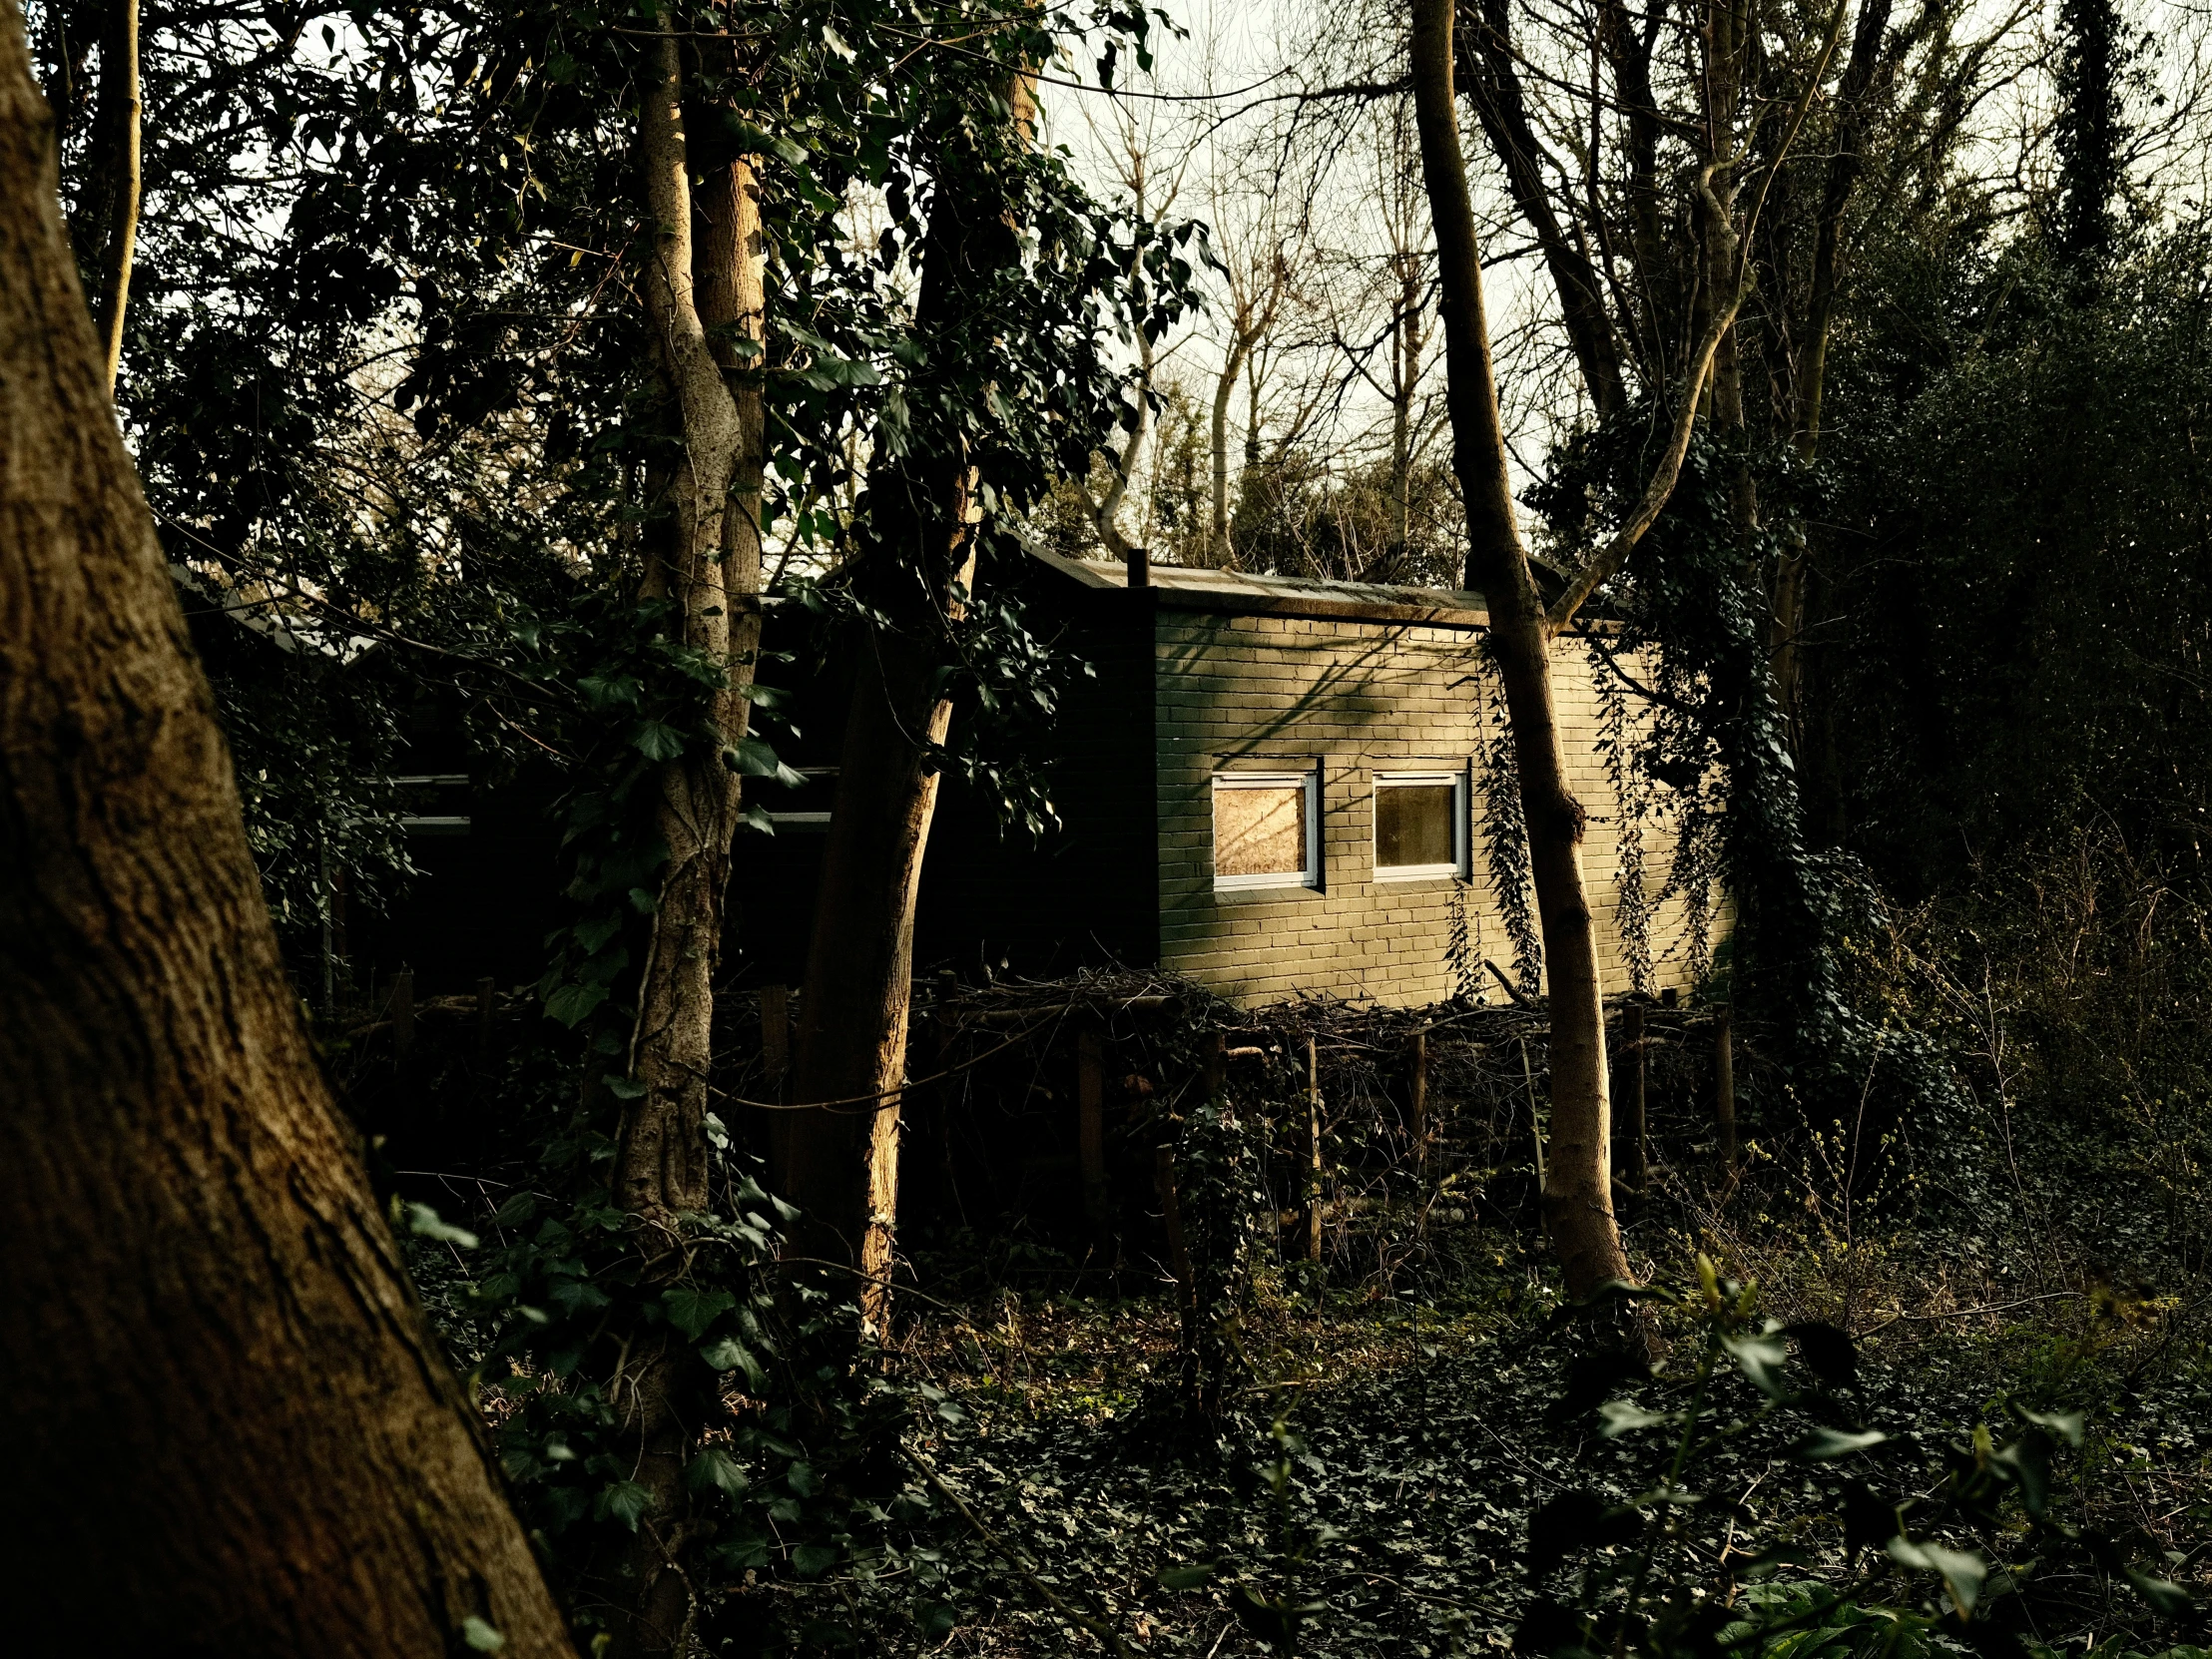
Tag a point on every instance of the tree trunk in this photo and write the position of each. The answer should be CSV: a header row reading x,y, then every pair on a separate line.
x,y
111,232
1219,554
1405,344
1578,1201
1724,40
1843,169
1505,122
839,1163
229,1428
702,281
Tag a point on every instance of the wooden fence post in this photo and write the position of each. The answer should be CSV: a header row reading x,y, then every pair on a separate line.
x,y
1313,1137
1723,1085
1179,1260
776,1030
1535,1118
488,1006
1090,1127
1217,1065
402,1013
1420,1099
1632,1118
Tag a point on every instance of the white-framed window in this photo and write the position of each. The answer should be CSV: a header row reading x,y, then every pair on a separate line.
x,y
1267,829
1421,825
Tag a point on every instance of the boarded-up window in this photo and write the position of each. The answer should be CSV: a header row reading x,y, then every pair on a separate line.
x,y
1420,824
1264,829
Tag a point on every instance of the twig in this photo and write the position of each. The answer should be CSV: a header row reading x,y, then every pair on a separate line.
x,y
884,1099
1968,1312
1511,990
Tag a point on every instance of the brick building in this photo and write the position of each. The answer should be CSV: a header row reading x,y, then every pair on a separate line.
x,y
1277,786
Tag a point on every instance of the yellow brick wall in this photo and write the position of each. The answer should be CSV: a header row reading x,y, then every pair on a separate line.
x,y
1259,692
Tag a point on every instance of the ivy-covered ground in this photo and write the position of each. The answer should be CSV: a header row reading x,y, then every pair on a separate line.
x,y
1369,1485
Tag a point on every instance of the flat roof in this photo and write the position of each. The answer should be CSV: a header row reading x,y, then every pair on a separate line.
x,y
1248,593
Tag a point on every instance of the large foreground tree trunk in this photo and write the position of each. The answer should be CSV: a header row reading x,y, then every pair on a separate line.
x,y
704,285
839,1163
229,1427
1578,1198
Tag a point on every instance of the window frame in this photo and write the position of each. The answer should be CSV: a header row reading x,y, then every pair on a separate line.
x,y
1430,777
1307,779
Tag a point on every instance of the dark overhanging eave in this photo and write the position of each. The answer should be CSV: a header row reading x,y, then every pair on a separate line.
x,y
1178,587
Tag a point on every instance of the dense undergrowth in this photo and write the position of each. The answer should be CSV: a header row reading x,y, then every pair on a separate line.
x,y
1380,1470
1411,1448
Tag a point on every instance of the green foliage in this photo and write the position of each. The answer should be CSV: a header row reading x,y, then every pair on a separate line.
x,y
1634,803
785,1477
1506,832
1643,1578
2022,643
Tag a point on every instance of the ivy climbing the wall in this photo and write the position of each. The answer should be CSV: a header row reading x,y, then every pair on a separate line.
x,y
1633,806
1692,606
1505,829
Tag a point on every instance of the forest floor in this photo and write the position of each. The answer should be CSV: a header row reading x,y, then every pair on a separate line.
x,y
1417,1432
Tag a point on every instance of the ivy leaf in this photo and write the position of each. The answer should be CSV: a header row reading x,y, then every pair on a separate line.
x,y
717,1468
691,1311
657,739
625,1502
936,1618
572,1004
813,1560
424,1223
1188,1578
1624,1417
596,932
2065,1425
2026,1464
1760,1360
2167,1599
728,1354
752,756
1963,1574
1825,1445
518,1209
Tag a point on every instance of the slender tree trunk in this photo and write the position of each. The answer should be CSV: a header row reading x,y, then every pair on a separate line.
x,y
1503,113
230,1429
1219,553
1723,38
122,241
1843,169
1627,50
839,1164
1579,1200
701,283
1404,379
1106,512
